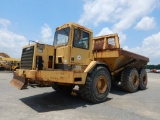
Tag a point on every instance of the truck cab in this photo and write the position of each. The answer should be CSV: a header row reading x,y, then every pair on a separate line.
x,y
71,50
73,47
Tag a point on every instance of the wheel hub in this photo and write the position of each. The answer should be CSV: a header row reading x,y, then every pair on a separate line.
x,y
101,84
135,81
144,80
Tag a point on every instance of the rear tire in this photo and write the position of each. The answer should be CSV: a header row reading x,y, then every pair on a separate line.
x,y
143,80
97,86
130,80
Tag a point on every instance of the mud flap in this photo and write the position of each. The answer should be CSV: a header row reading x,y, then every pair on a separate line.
x,y
19,82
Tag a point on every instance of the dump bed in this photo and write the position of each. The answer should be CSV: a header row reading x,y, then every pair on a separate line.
x,y
107,49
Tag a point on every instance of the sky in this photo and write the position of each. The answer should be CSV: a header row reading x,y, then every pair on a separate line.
x,y
137,22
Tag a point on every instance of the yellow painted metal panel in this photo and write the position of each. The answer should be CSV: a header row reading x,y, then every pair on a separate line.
x,y
90,66
106,54
53,76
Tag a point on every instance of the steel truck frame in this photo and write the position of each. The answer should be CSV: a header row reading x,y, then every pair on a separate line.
x,y
76,58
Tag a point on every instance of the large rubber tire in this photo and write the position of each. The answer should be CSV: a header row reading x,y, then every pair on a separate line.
x,y
143,79
130,80
63,89
97,86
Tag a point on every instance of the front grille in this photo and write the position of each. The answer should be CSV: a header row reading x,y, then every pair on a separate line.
x,y
27,58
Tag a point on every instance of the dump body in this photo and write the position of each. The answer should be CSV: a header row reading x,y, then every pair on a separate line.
x,y
107,50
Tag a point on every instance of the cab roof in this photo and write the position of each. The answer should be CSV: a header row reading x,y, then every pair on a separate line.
x,y
70,24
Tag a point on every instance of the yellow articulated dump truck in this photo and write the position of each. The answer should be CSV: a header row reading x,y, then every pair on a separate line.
x,y
76,58
7,63
10,63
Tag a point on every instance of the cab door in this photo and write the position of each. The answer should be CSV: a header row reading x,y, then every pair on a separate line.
x,y
80,51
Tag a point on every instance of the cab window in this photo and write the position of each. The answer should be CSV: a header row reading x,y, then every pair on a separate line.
x,y
81,39
61,36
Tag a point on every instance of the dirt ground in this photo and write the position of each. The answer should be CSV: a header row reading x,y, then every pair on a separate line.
x,y
43,103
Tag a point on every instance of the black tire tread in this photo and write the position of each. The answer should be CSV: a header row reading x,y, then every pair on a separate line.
x,y
141,74
126,82
86,90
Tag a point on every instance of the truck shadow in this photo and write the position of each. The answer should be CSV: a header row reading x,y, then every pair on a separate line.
x,y
118,90
54,101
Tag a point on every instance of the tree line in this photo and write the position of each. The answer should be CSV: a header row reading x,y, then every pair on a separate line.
x,y
153,66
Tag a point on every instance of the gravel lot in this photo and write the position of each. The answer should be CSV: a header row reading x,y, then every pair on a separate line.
x,y
43,103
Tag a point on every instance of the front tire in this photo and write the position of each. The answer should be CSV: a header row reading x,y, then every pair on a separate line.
x,y
97,86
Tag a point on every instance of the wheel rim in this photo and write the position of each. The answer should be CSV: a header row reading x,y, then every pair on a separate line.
x,y
144,80
101,84
135,81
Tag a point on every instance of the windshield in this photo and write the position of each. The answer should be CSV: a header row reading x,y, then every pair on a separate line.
x,y
61,36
